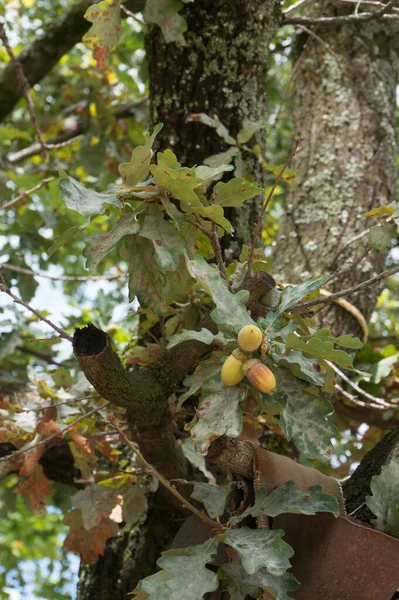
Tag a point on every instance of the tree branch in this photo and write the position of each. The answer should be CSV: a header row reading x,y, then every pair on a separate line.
x,y
31,273
4,288
343,20
72,134
346,292
41,55
27,193
144,392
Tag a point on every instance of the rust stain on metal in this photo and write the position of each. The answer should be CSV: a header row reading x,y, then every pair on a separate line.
x,y
340,559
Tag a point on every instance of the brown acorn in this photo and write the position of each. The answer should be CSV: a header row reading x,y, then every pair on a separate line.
x,y
259,376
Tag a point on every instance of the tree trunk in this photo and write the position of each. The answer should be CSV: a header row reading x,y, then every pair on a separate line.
x,y
344,108
222,72
129,557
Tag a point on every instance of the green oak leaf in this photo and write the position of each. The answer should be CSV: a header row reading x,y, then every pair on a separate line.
x,y
179,181
298,364
303,414
277,586
276,327
288,499
205,370
207,173
234,192
105,32
99,245
381,211
213,497
348,341
236,580
260,548
216,160
172,210
183,576
205,336
146,281
167,241
383,368
190,451
84,201
215,213
221,130
218,412
135,502
384,491
165,14
230,313
293,293
94,501
248,129
392,526
381,236
137,168
320,349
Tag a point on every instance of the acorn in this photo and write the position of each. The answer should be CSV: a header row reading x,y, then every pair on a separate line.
x,y
250,338
259,376
232,368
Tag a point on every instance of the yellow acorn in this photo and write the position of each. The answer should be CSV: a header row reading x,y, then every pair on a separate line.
x,y
250,338
259,376
232,368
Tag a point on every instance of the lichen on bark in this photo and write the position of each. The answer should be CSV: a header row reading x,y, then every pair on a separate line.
x,y
344,108
221,71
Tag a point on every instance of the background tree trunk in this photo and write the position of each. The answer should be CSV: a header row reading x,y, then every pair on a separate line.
x,y
344,108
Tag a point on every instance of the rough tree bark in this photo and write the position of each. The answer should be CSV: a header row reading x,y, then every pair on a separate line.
x,y
344,108
222,72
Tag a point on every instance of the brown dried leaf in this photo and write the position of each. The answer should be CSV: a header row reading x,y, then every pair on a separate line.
x,y
47,429
35,488
89,544
31,459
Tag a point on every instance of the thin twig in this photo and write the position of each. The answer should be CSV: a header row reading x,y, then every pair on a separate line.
x,y
48,359
360,403
367,3
344,20
346,292
60,277
112,421
319,39
27,193
24,85
4,288
61,432
295,147
337,274
129,13
199,226
218,251
71,401
295,6
352,384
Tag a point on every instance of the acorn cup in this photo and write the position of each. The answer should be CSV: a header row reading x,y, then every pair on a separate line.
x,y
259,376
232,368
